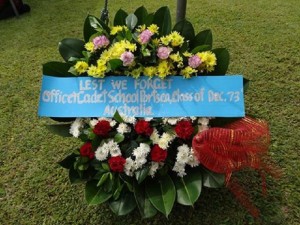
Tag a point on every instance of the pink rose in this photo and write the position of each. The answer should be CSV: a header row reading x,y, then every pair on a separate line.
x,y
127,58
163,52
100,41
194,61
145,36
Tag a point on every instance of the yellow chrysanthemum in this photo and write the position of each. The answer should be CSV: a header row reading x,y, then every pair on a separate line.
x,y
136,72
114,30
81,67
141,28
176,39
155,41
165,40
187,72
176,57
150,71
209,60
163,69
89,46
187,54
153,28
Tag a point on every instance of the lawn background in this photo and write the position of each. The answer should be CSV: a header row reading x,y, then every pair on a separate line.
x,y
263,38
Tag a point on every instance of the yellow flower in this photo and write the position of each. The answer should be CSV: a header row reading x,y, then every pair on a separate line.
x,y
141,28
165,40
163,69
153,28
114,30
209,60
81,67
89,46
150,71
176,57
155,41
176,39
187,54
187,72
97,71
136,72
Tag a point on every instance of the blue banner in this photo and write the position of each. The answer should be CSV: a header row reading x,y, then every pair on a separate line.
x,y
203,96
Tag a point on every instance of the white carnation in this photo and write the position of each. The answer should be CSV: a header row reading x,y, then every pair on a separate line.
x,y
123,128
76,127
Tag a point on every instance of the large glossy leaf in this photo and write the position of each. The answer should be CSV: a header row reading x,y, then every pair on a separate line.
x,y
120,18
212,180
222,61
68,162
186,29
161,193
189,187
57,69
202,38
124,205
131,21
201,48
60,129
95,195
162,18
74,176
141,14
145,207
93,25
71,47
140,175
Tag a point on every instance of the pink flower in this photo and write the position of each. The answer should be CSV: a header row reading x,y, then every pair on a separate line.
x,y
127,58
163,52
194,61
100,41
145,36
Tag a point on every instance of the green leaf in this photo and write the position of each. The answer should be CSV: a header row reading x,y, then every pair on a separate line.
x,y
245,84
74,176
115,63
57,69
60,129
145,207
119,138
120,18
162,18
161,193
149,19
103,178
212,180
105,166
186,29
201,48
202,38
124,205
222,61
71,47
117,117
189,187
93,25
68,162
118,192
140,175
94,194
131,21
141,14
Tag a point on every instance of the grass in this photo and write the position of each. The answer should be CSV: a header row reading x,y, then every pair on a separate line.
x,y
263,39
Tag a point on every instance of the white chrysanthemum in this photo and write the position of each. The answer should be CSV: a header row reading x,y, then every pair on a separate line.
x,y
93,122
163,143
203,121
102,152
193,161
202,128
170,120
129,167
76,127
183,154
153,168
154,137
141,151
193,118
123,128
114,148
179,168
139,162
148,119
128,119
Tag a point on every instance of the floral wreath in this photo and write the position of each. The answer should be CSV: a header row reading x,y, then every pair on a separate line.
x,y
151,163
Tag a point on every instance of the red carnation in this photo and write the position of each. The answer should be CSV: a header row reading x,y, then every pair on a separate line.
x,y
102,128
117,163
184,129
143,127
158,154
87,150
